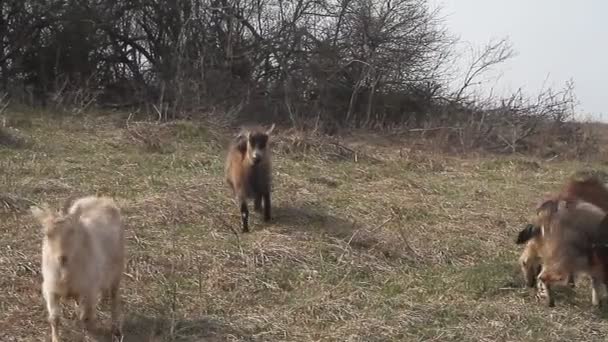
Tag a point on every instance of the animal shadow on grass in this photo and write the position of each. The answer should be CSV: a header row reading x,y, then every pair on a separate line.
x,y
156,329
315,217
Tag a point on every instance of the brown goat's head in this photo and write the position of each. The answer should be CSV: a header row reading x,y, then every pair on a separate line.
x,y
60,233
530,261
531,236
253,143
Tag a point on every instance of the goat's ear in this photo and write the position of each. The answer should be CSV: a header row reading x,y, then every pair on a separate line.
x,y
549,206
270,129
529,232
77,212
241,143
43,214
67,204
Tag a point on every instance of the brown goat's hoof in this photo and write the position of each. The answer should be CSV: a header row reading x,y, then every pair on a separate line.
x,y
117,335
549,301
601,303
546,299
89,324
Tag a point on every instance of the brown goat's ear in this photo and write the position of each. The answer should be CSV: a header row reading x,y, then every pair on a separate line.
x,y
270,129
549,206
529,232
241,143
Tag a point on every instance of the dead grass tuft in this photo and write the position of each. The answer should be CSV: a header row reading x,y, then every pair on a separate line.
x,y
14,203
152,137
13,138
48,186
297,143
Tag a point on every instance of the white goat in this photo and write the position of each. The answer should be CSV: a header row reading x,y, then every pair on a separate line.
x,y
82,258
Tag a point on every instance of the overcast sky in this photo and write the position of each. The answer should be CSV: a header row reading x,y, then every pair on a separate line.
x,y
555,40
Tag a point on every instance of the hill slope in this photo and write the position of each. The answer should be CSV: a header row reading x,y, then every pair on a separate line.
x,y
395,246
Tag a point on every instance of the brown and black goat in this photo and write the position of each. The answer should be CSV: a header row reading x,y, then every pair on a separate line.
x,y
586,188
573,235
248,171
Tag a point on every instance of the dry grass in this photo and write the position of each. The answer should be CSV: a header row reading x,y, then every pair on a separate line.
x,y
397,246
12,138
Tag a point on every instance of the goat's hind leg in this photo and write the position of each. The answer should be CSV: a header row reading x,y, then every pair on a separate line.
x,y
86,310
570,280
544,293
257,203
244,215
598,292
266,198
116,312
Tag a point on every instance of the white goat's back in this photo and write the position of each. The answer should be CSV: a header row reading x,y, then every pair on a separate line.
x,y
101,219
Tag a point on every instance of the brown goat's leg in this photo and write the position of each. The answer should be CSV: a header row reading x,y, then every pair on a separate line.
x,y
571,280
598,291
266,198
544,293
244,216
52,304
257,203
530,270
116,312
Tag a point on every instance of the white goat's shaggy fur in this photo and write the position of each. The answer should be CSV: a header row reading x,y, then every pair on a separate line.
x,y
82,258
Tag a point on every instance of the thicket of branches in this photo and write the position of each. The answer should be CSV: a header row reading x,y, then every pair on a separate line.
x,y
327,62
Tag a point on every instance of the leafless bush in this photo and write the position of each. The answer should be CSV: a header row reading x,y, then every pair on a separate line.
x,y
515,124
352,61
76,100
315,64
494,53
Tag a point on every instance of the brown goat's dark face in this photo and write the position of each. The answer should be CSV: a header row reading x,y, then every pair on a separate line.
x,y
256,146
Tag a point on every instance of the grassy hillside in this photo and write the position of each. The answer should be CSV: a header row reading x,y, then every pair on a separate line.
x,y
397,246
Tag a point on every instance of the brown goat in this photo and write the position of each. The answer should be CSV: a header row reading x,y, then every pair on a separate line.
x,y
587,188
248,171
573,235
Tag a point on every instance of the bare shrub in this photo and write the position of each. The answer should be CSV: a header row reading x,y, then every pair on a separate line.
x,y
10,137
316,65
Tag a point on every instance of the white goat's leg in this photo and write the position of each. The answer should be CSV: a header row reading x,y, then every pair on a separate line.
x,y
86,310
53,308
116,312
